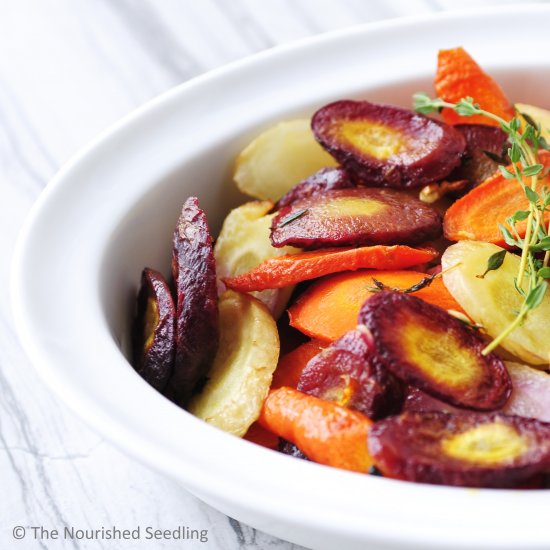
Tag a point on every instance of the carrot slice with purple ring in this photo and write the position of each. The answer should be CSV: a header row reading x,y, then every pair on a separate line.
x,y
344,373
197,331
468,450
383,145
355,217
484,144
317,184
426,347
153,334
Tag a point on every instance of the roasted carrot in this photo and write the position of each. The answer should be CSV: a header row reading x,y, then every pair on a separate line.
x,y
262,436
292,364
293,268
459,76
476,215
329,308
325,432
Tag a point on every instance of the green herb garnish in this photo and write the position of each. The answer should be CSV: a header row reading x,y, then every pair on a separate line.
x,y
524,141
292,217
493,263
423,283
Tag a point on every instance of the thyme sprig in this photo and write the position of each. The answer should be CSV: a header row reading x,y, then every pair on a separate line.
x,y
525,140
423,283
379,286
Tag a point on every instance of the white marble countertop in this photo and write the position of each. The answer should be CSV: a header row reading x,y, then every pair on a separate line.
x,y
68,69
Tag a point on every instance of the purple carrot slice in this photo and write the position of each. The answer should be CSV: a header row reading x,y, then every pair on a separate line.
x,y
530,395
468,450
153,334
345,374
484,144
383,145
197,331
355,217
418,401
324,180
426,347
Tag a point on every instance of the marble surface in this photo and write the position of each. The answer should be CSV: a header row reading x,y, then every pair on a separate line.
x,y
68,69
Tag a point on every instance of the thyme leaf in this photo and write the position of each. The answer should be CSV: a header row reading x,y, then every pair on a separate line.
x,y
493,263
293,216
535,296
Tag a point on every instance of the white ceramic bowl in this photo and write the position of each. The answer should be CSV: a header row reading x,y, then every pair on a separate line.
x,y
111,211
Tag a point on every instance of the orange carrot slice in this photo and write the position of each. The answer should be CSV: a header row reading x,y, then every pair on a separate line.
x,y
459,76
325,432
262,436
476,215
329,308
293,268
292,364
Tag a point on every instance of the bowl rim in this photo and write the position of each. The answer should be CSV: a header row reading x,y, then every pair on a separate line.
x,y
236,476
